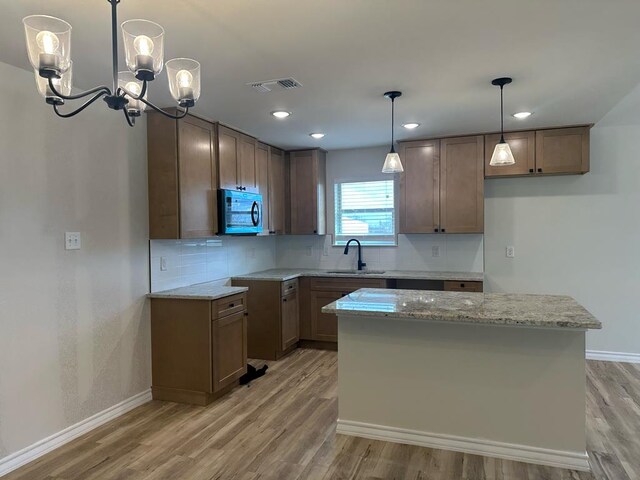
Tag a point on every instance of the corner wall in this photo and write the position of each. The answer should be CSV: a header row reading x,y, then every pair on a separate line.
x,y
577,235
74,325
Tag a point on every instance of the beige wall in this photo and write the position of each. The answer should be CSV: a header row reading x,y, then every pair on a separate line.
x,y
577,235
74,333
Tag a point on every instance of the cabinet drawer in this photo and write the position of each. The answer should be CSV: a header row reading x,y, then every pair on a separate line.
x,y
450,286
289,286
346,284
229,305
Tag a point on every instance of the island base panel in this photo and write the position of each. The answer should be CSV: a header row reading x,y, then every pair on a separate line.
x,y
511,392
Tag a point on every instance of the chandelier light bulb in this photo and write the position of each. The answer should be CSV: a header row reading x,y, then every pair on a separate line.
x,y
184,78
48,41
143,45
134,88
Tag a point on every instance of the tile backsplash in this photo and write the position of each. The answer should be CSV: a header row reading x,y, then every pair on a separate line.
x,y
414,252
204,260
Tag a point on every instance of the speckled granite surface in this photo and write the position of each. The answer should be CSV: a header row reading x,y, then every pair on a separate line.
x,y
557,311
199,291
282,274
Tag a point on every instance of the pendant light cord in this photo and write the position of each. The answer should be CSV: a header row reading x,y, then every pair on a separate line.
x,y
501,115
393,102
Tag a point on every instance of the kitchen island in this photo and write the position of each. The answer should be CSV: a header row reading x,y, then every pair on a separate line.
x,y
492,374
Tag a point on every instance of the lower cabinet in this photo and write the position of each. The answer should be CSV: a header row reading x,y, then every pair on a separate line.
x,y
321,328
198,347
274,326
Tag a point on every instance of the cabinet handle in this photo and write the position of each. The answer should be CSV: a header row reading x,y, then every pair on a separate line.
x,y
435,229
442,230
315,231
231,305
539,170
284,299
271,232
531,170
462,285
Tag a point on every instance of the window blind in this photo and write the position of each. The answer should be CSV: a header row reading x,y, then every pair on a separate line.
x,y
365,210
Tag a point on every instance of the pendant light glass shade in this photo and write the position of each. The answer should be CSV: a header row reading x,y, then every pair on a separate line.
x,y
143,48
502,155
184,80
392,163
129,82
48,44
62,85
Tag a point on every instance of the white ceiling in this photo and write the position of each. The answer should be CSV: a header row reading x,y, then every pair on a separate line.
x,y
571,60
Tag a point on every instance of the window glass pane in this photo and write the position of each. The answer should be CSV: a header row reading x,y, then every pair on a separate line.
x,y
365,209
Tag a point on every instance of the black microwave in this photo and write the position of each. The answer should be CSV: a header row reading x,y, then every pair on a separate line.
x,y
240,213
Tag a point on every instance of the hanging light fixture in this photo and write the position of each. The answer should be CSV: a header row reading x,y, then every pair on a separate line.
x,y
392,163
49,48
502,155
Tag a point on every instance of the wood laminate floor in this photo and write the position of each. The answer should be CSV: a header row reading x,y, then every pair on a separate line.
x,y
283,427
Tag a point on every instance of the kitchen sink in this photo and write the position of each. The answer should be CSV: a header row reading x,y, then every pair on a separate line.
x,y
357,272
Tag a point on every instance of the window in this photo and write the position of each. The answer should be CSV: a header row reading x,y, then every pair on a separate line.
x,y
365,210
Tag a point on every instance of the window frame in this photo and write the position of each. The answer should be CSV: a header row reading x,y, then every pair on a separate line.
x,y
368,241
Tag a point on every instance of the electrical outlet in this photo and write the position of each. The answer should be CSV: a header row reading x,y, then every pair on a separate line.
x,y
308,250
72,241
510,252
163,264
435,251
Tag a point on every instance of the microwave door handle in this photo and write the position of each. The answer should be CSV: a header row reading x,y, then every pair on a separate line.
x,y
255,214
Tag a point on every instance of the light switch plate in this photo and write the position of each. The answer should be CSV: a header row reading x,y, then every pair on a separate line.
x,y
163,264
510,252
72,241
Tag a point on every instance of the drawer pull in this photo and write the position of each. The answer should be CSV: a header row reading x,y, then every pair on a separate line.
x,y
231,305
462,285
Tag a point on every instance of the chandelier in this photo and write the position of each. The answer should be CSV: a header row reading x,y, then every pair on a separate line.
x,y
49,47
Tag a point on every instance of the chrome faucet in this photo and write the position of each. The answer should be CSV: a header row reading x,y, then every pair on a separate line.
x,y
361,264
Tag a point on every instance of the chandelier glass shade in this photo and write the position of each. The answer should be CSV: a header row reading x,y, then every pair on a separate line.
x,y
49,48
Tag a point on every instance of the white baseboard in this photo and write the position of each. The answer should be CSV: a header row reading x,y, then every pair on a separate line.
x,y
613,356
30,453
476,446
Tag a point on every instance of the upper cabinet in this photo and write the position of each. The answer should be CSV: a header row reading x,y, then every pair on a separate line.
x,y
442,186
278,187
307,170
237,158
182,177
420,187
543,152
262,180
462,185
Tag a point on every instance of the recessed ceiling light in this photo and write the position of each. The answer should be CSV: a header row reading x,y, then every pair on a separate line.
x,y
410,126
317,136
522,115
281,114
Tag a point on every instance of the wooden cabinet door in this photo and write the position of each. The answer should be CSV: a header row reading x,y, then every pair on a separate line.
x,y
277,195
304,187
290,320
197,178
247,164
324,326
229,349
562,150
420,187
462,185
523,147
228,153
262,180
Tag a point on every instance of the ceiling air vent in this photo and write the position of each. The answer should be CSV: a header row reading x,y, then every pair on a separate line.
x,y
266,86
289,83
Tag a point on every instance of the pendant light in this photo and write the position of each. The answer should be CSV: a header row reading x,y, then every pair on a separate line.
x,y
392,163
502,155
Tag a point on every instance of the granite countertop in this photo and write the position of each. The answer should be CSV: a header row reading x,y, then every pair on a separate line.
x,y
199,291
551,311
283,274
